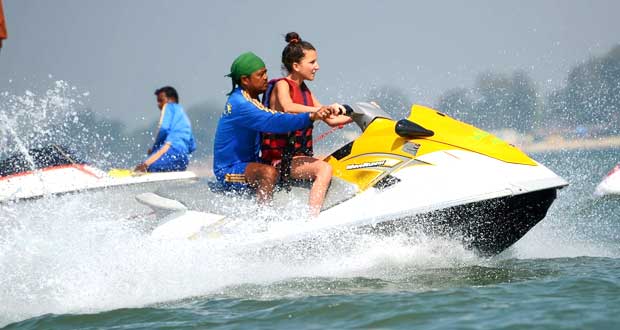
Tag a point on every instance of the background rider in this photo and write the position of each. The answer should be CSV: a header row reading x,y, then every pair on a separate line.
x,y
174,141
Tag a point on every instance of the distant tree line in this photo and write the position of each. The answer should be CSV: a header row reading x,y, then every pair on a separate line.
x,y
590,97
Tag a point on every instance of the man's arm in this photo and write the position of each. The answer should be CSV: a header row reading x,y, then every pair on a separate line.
x,y
252,114
152,159
162,134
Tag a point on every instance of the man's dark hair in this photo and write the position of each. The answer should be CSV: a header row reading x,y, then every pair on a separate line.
x,y
169,91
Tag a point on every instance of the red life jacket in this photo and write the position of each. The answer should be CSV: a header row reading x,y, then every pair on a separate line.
x,y
273,144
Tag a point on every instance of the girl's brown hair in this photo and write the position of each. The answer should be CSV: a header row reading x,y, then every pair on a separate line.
x,y
294,50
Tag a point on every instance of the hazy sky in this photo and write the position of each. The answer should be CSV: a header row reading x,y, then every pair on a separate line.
x,y
121,50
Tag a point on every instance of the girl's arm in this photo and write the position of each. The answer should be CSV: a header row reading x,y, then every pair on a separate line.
x,y
334,120
285,100
337,120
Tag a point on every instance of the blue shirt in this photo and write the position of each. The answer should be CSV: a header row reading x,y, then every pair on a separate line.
x,y
237,138
175,128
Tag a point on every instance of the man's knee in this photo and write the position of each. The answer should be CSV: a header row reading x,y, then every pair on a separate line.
x,y
261,172
269,173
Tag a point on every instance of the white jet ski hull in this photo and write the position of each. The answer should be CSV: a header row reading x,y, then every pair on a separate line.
x,y
450,186
610,184
73,178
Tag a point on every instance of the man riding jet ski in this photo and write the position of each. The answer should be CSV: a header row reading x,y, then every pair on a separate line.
x,y
236,162
428,172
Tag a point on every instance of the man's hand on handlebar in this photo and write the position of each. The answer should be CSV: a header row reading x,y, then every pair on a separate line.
x,y
322,113
328,111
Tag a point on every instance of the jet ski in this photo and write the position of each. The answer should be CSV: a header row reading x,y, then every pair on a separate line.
x,y
54,169
610,184
426,173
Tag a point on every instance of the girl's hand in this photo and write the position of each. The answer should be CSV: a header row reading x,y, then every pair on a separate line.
x,y
337,109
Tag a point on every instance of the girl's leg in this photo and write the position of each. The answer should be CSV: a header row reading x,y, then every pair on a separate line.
x,y
308,168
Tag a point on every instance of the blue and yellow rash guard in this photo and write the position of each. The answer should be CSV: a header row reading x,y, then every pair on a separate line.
x,y
237,138
174,141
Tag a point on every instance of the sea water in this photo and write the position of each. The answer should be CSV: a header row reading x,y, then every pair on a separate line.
x,y
86,261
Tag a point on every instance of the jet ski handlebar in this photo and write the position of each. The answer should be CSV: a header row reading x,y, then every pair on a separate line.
x,y
363,113
348,110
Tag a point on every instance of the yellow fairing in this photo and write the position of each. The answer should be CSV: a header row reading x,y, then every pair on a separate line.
x,y
463,136
374,154
379,151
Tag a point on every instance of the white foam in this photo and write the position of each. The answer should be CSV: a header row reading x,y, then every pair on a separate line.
x,y
77,253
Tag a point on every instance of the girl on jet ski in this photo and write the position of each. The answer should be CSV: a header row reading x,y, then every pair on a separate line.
x,y
291,95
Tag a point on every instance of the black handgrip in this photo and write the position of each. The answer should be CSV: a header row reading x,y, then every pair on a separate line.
x,y
348,109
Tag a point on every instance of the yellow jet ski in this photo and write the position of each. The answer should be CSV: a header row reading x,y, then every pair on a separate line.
x,y
427,172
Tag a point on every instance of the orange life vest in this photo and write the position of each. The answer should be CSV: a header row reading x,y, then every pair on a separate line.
x,y
273,144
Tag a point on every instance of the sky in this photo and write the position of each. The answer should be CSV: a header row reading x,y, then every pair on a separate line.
x,y
120,51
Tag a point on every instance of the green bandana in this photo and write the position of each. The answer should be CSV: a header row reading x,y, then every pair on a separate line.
x,y
245,65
